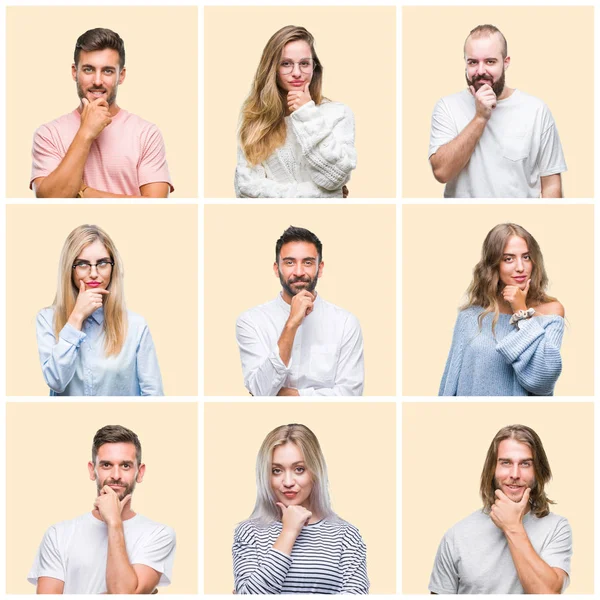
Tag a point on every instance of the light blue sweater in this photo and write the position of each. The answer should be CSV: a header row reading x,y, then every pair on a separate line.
x,y
523,361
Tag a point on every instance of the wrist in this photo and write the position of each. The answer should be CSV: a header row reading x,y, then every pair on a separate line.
x,y
114,522
289,532
85,137
76,320
291,325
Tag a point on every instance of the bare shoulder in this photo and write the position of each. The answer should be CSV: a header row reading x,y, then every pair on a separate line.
x,y
551,308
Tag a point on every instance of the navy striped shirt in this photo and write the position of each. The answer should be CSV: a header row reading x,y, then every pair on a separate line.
x,y
329,557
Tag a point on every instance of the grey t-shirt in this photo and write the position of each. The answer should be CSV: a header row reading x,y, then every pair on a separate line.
x,y
519,145
473,556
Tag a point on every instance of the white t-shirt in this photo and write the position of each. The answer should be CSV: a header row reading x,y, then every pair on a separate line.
x,y
519,145
474,557
76,551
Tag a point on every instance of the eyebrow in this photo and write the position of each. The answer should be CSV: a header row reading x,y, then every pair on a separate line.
x,y
288,58
511,460
300,462
87,261
94,67
110,462
294,258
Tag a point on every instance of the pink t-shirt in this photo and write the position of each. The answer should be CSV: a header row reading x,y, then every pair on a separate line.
x,y
129,153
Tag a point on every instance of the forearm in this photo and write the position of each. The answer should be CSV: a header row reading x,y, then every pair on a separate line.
x,y
552,186
286,342
65,180
451,158
120,575
535,575
285,542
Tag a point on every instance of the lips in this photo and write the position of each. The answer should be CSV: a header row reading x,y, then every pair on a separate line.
x,y
93,284
290,494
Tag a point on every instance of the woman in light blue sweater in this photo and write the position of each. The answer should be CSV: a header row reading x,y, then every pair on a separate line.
x,y
508,334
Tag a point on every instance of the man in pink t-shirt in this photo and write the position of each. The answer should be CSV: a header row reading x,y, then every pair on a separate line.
x,y
99,150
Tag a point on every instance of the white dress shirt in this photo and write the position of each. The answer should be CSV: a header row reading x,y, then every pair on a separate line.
x,y
327,355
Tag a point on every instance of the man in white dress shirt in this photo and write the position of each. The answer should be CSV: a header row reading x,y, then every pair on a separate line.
x,y
299,344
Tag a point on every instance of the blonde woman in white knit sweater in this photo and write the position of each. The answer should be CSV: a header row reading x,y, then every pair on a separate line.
x,y
293,143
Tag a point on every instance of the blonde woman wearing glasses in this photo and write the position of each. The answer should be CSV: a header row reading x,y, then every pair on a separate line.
x,y
294,143
89,343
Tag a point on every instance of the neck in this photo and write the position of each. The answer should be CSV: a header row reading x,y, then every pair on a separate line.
x,y
506,93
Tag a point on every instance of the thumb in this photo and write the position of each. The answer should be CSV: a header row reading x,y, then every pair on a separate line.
x,y
472,90
527,287
281,506
526,494
85,102
306,84
125,501
81,286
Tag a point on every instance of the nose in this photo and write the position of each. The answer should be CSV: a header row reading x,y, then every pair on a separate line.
x,y
514,471
299,270
98,78
296,72
115,473
93,271
288,479
481,69
520,266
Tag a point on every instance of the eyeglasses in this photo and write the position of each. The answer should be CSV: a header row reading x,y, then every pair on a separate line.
x,y
83,267
307,65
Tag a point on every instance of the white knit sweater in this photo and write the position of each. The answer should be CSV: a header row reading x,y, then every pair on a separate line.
x,y
315,161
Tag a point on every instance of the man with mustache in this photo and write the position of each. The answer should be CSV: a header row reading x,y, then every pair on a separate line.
x,y
492,141
110,550
515,545
99,150
299,344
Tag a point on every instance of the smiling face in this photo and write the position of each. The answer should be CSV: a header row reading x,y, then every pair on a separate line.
x,y
291,481
514,469
116,466
484,62
97,276
298,269
516,266
300,54
97,75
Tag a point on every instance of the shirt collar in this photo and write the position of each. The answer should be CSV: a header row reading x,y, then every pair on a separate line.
x,y
98,316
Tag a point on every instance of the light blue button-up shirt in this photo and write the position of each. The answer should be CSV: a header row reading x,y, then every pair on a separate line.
x,y
76,364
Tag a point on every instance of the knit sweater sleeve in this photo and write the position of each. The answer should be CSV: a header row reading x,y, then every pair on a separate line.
x,y
252,182
326,135
252,574
449,383
533,350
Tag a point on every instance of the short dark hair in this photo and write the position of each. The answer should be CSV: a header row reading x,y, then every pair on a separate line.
x,y
115,434
298,234
100,39
483,30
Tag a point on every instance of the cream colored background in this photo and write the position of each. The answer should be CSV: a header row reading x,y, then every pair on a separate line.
x,y
161,85
552,57
359,444
158,245
48,447
357,47
442,245
443,451
359,250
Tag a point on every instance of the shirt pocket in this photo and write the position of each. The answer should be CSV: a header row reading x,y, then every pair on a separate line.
x,y
323,362
515,145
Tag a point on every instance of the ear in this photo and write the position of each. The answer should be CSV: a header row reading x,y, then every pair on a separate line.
x,y
140,473
122,74
74,71
506,62
92,471
321,267
276,269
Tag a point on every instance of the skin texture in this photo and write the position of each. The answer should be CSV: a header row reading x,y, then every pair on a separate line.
x,y
298,270
97,77
514,477
90,298
295,83
116,473
289,474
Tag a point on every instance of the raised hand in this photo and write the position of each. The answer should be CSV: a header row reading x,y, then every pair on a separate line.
x,y
109,507
95,116
485,101
516,297
506,514
296,99
87,302
294,517
302,305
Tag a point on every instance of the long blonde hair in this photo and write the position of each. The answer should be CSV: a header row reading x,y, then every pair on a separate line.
x,y
486,286
265,509
262,127
115,314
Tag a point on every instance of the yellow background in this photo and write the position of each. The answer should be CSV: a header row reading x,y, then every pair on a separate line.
x,y
357,47
359,444
552,57
159,248
48,447
161,85
359,251
442,245
443,451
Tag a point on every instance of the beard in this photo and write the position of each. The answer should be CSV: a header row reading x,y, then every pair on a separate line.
x,y
128,489
308,284
498,86
498,486
110,99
